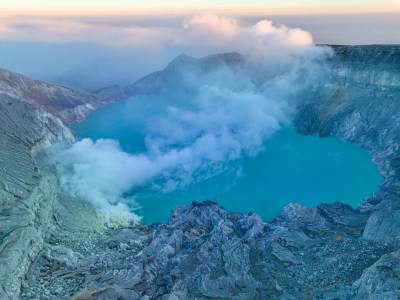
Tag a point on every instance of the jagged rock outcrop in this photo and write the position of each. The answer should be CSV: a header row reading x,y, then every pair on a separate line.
x,y
381,280
69,104
205,253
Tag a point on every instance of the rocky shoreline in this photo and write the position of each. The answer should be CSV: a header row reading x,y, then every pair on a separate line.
x,y
331,252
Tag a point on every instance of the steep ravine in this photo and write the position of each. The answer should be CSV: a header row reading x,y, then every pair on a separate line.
x,y
333,251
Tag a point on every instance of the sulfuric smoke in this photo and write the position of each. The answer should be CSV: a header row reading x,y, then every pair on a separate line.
x,y
218,117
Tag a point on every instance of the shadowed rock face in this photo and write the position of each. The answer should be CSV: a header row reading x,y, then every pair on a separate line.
x,y
331,252
68,104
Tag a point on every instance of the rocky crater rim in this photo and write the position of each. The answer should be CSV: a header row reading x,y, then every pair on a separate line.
x,y
332,251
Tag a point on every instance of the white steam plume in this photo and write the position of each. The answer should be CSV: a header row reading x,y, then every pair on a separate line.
x,y
226,115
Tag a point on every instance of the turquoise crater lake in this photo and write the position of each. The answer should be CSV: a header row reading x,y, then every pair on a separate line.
x,y
291,168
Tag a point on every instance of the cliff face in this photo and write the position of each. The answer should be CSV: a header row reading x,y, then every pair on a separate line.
x,y
29,199
331,252
26,197
68,104
360,104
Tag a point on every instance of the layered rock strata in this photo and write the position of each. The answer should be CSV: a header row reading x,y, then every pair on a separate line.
x,y
29,199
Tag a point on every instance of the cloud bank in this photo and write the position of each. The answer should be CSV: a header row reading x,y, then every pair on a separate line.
x,y
95,52
116,34
224,115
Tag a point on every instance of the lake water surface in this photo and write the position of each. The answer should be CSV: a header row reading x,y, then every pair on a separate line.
x,y
290,169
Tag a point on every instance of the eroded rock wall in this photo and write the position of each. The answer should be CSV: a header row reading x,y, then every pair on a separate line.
x,y
26,195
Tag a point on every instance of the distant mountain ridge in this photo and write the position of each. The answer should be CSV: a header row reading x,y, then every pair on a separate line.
x,y
74,105
69,104
171,78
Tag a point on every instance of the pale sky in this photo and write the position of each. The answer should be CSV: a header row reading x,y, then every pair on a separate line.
x,y
231,7
94,43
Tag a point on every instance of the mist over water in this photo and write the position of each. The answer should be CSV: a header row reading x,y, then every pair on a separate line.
x,y
288,168
191,136
146,153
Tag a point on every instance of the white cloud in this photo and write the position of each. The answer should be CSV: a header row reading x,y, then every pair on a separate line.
x,y
198,30
92,53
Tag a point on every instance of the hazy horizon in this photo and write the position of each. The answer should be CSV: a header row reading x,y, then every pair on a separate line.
x,y
118,42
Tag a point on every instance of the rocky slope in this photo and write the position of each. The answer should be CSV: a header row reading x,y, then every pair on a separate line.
x,y
205,253
331,252
29,200
68,104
